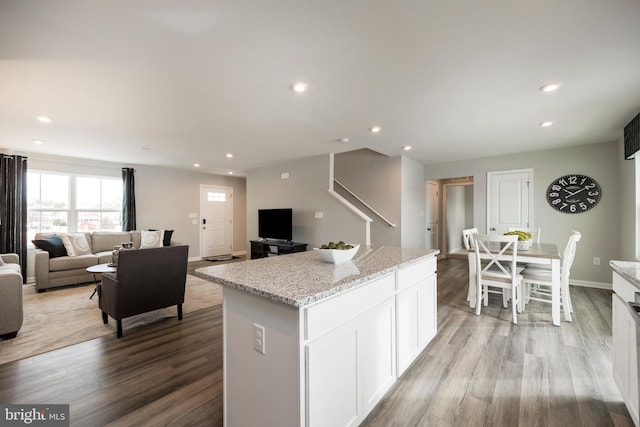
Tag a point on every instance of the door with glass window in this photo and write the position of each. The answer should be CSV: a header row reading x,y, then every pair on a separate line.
x,y
216,221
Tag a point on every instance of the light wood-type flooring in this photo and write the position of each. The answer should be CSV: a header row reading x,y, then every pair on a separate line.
x,y
479,370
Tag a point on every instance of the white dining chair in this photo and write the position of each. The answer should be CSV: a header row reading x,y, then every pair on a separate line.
x,y
535,232
498,270
537,281
466,237
467,240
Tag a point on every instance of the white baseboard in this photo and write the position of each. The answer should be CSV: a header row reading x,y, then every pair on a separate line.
x,y
588,284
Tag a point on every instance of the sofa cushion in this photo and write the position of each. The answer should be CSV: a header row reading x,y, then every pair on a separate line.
x,y
106,240
151,239
76,244
71,263
166,239
10,268
52,244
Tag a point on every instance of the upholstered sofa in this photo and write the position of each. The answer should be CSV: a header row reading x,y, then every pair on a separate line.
x,y
54,268
146,280
11,313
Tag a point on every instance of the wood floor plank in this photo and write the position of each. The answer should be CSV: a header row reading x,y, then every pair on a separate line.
x,y
478,370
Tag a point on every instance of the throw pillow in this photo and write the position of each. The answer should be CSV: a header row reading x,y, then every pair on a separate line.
x,y
52,244
151,239
76,244
166,240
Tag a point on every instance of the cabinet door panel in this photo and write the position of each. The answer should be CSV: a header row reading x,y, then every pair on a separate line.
x,y
407,329
332,379
427,311
378,352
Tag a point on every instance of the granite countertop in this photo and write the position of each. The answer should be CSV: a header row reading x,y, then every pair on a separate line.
x,y
628,270
302,278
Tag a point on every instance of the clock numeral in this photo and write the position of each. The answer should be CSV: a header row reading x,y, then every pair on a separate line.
x,y
556,201
583,180
590,186
562,181
556,187
564,205
573,180
590,200
572,208
554,195
593,193
583,206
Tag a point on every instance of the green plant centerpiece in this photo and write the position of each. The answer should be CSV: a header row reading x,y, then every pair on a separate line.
x,y
342,246
524,239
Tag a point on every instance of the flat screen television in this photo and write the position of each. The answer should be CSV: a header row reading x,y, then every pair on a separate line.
x,y
275,224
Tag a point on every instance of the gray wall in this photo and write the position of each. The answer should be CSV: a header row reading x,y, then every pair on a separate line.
x,y
599,226
456,216
377,180
413,226
305,191
164,197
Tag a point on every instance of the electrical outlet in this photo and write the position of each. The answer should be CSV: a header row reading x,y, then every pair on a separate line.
x,y
596,261
258,338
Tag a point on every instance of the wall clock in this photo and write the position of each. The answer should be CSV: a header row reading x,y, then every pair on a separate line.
x,y
574,193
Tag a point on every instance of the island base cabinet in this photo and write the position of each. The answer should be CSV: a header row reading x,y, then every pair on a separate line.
x,y
350,368
624,343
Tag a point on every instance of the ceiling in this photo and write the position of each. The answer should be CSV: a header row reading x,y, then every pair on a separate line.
x,y
173,83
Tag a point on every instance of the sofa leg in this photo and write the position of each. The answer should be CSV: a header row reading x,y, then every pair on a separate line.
x,y
105,318
179,311
9,336
119,322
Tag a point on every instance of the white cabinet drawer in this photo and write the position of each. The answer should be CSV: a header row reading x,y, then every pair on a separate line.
x,y
408,276
336,310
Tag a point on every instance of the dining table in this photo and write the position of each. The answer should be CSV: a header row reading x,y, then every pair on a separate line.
x,y
544,255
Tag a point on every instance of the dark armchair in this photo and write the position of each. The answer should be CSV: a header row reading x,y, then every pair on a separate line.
x,y
146,280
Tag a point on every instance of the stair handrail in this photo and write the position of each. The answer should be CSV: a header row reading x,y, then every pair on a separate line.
x,y
367,205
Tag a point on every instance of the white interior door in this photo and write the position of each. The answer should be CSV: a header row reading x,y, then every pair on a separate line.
x,y
432,215
216,221
509,200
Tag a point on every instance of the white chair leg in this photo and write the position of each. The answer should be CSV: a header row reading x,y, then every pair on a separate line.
x,y
514,308
479,298
505,298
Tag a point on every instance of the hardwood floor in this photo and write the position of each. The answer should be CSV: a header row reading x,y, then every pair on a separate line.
x,y
479,370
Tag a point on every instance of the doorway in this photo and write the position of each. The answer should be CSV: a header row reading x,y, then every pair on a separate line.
x,y
457,202
216,221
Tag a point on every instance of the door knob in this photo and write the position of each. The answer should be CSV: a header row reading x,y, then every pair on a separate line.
x,y
493,229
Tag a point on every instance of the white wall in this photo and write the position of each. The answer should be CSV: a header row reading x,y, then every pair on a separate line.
x,y
599,226
456,215
164,197
413,226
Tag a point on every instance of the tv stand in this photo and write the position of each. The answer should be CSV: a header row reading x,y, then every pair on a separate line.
x,y
263,248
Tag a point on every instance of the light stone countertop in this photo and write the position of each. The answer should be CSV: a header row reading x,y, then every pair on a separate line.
x,y
302,278
630,271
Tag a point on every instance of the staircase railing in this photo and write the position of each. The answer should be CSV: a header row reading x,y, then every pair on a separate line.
x,y
367,205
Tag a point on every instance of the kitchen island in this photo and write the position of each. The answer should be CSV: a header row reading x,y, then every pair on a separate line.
x,y
307,343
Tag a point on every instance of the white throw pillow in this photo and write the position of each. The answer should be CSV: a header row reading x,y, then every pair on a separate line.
x,y
75,244
151,239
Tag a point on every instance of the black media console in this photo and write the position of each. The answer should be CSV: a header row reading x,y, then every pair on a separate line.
x,y
264,248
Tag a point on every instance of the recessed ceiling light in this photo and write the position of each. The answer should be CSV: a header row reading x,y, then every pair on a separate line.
x,y
229,155
299,87
38,141
550,87
546,124
196,165
230,172
406,147
44,119
376,129
343,140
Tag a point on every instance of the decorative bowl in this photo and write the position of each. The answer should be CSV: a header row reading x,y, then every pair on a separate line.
x,y
336,256
524,245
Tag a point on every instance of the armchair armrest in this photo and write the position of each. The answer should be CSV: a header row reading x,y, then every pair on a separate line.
x,y
108,294
41,270
10,258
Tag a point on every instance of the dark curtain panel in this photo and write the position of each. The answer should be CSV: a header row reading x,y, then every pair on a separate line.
x,y
13,208
128,200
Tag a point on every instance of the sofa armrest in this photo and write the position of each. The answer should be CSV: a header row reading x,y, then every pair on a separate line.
x,y
41,270
11,311
10,258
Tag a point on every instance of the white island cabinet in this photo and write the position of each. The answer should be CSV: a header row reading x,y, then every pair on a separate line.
x,y
626,282
308,343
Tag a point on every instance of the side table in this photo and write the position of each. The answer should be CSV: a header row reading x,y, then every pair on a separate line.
x,y
99,269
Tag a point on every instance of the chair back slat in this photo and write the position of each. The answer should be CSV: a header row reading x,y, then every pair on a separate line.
x,y
494,248
467,238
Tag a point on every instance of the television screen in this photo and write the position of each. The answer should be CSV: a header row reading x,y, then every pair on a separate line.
x,y
275,224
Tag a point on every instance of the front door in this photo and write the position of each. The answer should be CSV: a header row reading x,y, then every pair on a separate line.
x,y
509,200
216,221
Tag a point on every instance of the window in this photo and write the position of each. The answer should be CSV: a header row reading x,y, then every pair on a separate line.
x,y
213,196
67,203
